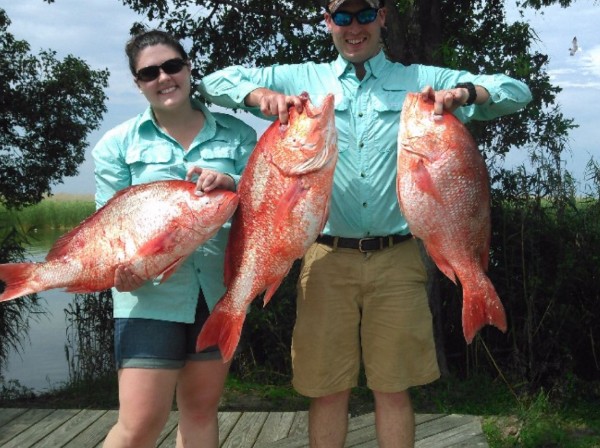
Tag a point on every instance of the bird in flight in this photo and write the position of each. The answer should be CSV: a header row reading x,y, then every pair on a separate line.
x,y
574,47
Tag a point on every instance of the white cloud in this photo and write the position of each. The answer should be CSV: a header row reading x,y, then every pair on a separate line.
x,y
590,61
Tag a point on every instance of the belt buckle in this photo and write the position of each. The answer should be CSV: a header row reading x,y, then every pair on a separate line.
x,y
360,248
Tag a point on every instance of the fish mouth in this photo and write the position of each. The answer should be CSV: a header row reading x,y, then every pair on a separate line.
x,y
327,136
325,108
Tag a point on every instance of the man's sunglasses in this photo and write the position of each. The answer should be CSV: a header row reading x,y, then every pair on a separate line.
x,y
152,72
364,16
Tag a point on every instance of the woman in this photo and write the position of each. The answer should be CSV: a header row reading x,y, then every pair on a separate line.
x,y
156,325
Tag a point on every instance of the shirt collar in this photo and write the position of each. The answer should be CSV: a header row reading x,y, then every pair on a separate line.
x,y
210,122
375,65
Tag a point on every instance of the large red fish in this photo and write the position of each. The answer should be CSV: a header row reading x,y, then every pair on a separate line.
x,y
444,194
151,227
284,200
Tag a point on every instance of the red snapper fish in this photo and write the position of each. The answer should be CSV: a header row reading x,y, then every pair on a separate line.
x,y
444,193
284,202
151,227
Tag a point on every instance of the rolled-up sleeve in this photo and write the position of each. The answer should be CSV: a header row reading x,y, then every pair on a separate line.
x,y
111,172
228,87
507,95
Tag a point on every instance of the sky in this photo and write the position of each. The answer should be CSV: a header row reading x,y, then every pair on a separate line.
x,y
96,31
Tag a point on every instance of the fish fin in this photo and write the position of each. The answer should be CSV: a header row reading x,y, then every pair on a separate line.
x,y
270,291
222,328
61,247
17,277
288,201
170,270
441,263
482,307
424,182
77,289
161,243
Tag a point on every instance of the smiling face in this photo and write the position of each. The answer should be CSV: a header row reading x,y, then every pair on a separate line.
x,y
167,92
356,43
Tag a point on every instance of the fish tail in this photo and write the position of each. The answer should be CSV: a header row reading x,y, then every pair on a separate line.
x,y
482,307
223,329
17,277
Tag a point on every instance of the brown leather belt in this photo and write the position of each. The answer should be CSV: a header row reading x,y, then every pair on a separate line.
x,y
369,244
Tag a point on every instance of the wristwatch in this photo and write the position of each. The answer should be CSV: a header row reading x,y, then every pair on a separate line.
x,y
472,92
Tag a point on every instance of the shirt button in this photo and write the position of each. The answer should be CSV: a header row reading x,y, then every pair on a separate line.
x,y
364,204
361,145
362,174
360,114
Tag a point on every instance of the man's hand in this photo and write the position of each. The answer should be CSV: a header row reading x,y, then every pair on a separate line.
x,y
451,99
274,103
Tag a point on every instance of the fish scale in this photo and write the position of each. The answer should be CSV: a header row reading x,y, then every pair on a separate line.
x,y
443,192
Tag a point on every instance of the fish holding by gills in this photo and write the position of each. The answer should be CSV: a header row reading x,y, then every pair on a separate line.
x,y
149,227
284,200
444,194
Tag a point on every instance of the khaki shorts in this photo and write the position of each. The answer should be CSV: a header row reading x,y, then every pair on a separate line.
x,y
371,306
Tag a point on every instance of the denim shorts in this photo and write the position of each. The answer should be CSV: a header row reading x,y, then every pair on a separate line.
x,y
159,344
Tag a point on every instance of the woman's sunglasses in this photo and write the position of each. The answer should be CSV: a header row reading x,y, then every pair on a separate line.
x,y
152,72
364,16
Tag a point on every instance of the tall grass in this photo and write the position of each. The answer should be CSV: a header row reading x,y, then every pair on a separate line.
x,y
56,212
89,347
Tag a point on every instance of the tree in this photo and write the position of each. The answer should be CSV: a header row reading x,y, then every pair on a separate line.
x,y
47,109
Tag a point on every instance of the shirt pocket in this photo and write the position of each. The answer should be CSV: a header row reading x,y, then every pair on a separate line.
x,y
149,163
343,124
219,155
387,106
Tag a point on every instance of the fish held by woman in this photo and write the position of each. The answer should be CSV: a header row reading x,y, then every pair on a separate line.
x,y
444,194
284,201
149,227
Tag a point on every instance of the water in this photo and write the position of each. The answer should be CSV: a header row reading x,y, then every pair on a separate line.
x,y
42,363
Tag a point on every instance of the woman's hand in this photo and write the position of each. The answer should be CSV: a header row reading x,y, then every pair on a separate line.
x,y
209,180
126,280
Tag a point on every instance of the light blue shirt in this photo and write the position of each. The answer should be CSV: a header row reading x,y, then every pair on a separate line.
x,y
367,114
137,152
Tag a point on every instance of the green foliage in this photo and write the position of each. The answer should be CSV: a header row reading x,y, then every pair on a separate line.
x,y
539,421
16,316
90,333
242,32
13,390
47,109
61,212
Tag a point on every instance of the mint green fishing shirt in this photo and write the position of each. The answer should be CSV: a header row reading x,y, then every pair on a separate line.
x,y
138,151
367,114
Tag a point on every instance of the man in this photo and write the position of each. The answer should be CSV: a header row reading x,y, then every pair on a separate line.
x,y
361,291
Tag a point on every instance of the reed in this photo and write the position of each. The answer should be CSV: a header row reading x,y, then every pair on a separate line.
x,y
90,329
56,212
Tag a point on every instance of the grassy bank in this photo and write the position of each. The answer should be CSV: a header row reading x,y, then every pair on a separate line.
x,y
62,211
